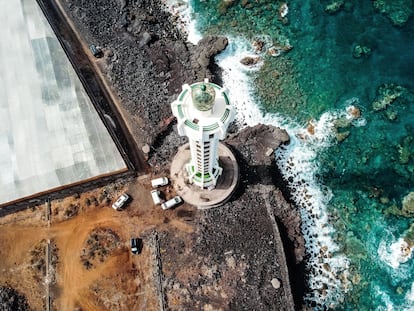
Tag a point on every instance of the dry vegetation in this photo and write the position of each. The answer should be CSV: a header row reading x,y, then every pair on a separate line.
x,y
98,246
91,266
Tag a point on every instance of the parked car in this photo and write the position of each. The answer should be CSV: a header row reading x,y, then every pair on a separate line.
x,y
159,182
136,245
120,202
155,194
171,203
96,51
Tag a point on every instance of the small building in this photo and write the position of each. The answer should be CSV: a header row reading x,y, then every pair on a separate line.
x,y
203,112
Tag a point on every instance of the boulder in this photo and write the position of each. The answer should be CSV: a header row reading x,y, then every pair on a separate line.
x,y
341,136
254,142
224,5
258,45
278,49
283,10
275,283
409,237
203,54
249,61
145,38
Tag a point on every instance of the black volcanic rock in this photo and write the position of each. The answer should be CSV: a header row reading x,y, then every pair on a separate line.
x,y
254,148
10,299
240,247
147,59
236,245
256,143
203,53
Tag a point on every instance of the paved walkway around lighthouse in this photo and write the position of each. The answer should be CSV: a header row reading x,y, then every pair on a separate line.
x,y
204,198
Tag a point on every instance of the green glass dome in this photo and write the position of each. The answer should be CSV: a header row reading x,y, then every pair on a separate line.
x,y
203,96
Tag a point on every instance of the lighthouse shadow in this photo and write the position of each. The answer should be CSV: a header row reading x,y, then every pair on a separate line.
x,y
250,174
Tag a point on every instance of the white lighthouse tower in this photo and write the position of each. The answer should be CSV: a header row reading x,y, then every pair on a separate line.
x,y
203,112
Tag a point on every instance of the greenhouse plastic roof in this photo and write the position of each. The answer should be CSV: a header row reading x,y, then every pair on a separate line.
x,y
50,133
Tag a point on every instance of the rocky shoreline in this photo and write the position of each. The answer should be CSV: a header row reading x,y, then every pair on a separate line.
x,y
146,60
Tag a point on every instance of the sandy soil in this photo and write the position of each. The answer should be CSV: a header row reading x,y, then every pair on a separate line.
x,y
121,282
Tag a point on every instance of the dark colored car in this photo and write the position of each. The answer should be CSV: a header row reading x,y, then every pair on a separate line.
x,y
136,245
96,51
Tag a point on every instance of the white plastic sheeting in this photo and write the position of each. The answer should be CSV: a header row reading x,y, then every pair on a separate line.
x,y
50,134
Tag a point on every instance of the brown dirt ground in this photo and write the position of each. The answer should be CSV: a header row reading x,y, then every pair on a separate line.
x,y
121,282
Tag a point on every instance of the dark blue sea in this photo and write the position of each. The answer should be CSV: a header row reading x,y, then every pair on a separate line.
x,y
339,76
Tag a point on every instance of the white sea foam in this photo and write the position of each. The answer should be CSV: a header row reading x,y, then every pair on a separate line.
x,y
386,304
396,253
353,113
297,161
298,164
237,79
409,297
186,22
283,10
409,300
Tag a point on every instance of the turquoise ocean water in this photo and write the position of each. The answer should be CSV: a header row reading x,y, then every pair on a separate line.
x,y
343,86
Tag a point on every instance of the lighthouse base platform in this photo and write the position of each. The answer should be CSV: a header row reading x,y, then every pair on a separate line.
x,y
204,198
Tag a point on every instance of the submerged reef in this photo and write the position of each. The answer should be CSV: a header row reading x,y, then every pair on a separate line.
x,y
360,51
409,236
405,150
342,125
407,209
387,94
224,5
334,6
408,204
398,11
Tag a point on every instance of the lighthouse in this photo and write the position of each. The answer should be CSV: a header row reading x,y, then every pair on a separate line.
x,y
203,113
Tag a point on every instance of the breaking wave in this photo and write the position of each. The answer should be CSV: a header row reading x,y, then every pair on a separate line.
x,y
326,267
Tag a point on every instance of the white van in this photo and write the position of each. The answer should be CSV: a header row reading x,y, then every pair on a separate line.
x,y
158,182
156,197
120,202
171,203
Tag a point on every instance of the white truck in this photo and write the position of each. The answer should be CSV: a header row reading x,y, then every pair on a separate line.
x,y
120,202
171,203
159,182
155,194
